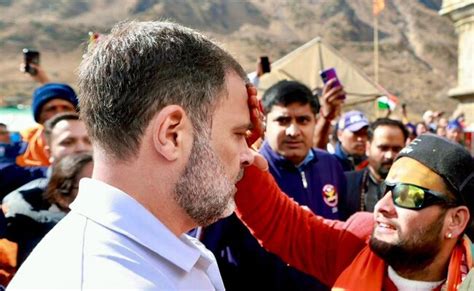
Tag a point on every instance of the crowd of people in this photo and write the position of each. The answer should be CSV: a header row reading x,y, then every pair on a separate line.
x,y
138,189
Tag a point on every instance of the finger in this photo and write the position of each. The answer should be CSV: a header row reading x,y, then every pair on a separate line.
x,y
259,161
334,93
256,115
252,93
328,85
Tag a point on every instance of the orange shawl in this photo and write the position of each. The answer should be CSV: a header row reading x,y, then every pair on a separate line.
x,y
35,154
367,271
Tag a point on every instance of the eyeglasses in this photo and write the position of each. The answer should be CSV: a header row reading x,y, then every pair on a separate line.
x,y
415,197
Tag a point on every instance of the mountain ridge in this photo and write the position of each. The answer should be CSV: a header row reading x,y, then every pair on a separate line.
x,y
418,48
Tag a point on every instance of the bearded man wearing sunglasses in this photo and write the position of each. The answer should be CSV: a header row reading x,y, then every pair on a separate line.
x,y
415,240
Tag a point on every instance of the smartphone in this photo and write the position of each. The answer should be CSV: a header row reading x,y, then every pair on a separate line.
x,y
329,74
31,57
265,64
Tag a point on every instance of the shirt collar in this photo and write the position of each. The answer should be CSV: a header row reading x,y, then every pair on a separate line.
x,y
309,157
282,161
116,210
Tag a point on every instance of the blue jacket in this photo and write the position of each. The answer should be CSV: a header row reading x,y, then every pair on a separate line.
x,y
310,185
243,263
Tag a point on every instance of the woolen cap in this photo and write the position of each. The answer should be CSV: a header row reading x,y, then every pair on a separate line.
x,y
51,91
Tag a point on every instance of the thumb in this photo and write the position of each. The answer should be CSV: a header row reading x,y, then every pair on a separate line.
x,y
259,161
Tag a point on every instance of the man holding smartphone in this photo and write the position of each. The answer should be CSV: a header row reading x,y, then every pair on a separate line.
x,y
48,100
263,67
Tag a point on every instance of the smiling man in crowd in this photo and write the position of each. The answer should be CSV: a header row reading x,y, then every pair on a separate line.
x,y
414,241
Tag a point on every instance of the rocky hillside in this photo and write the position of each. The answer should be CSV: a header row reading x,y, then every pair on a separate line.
x,y
418,48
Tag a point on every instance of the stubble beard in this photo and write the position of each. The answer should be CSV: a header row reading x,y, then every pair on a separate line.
x,y
413,253
203,190
384,169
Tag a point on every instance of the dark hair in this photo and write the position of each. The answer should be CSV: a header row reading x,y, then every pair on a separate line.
x,y
3,124
288,92
63,178
386,122
141,67
51,123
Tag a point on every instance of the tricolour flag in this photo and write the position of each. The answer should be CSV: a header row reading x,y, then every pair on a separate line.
x,y
378,5
387,102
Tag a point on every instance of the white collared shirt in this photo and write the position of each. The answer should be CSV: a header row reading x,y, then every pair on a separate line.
x,y
110,241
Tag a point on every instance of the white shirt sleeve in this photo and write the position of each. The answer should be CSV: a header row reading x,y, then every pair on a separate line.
x,y
254,79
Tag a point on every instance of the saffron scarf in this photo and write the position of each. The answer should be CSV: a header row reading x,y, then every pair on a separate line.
x,y
368,271
35,154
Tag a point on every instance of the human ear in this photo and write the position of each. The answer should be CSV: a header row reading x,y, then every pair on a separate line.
x,y
169,128
457,220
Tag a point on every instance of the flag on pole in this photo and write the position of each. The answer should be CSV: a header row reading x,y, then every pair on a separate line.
x,y
378,5
387,102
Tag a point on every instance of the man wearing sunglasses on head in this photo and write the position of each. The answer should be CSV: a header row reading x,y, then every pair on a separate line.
x,y
415,240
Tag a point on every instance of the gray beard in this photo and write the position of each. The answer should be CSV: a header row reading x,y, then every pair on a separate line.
x,y
203,190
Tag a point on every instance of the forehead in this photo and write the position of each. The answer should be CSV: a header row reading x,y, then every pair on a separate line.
x,y
386,132
292,109
232,110
76,127
454,129
408,170
57,102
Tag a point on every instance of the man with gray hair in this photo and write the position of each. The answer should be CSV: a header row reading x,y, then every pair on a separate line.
x,y
168,114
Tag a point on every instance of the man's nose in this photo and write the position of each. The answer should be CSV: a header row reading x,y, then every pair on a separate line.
x,y
292,130
246,157
360,137
390,155
385,206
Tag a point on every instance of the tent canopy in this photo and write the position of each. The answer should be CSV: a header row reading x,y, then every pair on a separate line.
x,y
16,118
305,63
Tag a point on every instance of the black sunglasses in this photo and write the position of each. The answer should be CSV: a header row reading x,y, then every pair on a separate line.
x,y
415,197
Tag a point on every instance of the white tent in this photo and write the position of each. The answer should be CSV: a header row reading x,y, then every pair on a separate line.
x,y
305,63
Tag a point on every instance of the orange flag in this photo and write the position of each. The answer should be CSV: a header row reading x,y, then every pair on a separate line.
x,y
378,6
